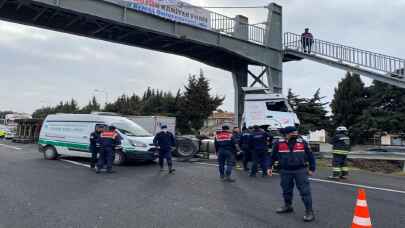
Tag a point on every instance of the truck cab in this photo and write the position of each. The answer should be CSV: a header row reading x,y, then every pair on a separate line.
x,y
270,110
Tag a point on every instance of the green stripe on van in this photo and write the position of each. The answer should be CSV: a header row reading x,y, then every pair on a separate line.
x,y
72,145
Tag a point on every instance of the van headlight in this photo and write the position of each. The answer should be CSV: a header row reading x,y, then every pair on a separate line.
x,y
136,143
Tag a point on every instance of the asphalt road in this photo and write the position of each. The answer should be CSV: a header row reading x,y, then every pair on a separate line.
x,y
39,193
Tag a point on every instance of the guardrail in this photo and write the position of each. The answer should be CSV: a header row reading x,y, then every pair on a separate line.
x,y
387,64
372,156
226,25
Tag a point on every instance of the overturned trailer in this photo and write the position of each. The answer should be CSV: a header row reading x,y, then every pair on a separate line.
x,y
27,130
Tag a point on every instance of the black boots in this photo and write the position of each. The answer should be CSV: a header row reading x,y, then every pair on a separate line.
x,y
309,216
229,179
285,209
110,171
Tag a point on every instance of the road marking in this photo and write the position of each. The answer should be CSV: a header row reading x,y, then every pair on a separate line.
x,y
74,162
331,182
11,147
358,185
313,179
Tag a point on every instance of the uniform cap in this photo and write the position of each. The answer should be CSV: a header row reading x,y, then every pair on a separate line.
x,y
163,126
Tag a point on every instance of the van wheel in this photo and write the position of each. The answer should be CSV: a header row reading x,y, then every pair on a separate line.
x,y
119,158
50,153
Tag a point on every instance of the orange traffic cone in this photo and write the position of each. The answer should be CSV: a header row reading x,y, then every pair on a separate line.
x,y
361,214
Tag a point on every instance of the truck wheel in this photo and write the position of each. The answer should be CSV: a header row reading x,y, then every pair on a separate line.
x,y
50,153
119,158
185,148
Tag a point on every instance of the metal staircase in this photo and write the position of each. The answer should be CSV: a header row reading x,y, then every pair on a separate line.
x,y
377,66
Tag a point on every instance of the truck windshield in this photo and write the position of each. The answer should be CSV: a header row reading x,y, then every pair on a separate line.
x,y
130,128
277,106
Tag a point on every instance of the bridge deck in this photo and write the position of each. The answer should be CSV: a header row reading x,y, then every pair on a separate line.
x,y
115,23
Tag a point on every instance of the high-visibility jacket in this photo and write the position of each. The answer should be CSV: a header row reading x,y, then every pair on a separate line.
x,y
225,142
110,139
292,155
341,144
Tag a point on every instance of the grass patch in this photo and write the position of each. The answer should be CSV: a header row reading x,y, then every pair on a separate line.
x,y
402,174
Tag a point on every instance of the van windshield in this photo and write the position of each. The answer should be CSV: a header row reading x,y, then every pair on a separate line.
x,y
277,106
130,128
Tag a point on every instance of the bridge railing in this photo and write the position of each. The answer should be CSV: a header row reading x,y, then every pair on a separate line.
x,y
388,64
226,25
218,23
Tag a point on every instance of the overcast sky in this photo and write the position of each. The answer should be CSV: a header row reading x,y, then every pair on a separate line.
x,y
40,67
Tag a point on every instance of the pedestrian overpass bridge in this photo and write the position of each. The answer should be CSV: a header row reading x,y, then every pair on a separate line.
x,y
376,66
227,43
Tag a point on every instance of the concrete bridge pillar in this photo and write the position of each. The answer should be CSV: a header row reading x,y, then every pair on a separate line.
x,y
240,70
240,79
274,40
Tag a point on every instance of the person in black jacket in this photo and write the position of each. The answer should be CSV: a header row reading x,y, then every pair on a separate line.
x,y
165,140
245,147
293,154
307,40
258,142
95,145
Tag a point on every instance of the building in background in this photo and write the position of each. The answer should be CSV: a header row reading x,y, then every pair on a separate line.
x,y
393,139
216,120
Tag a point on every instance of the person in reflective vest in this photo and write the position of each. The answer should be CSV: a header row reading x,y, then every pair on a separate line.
x,y
258,142
225,146
109,140
341,148
95,145
296,163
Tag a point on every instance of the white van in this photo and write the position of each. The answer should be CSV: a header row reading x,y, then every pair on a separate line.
x,y
69,134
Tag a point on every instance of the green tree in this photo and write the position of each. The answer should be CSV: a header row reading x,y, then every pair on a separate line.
x,y
311,112
43,112
152,102
92,106
196,104
385,113
125,105
63,107
348,103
